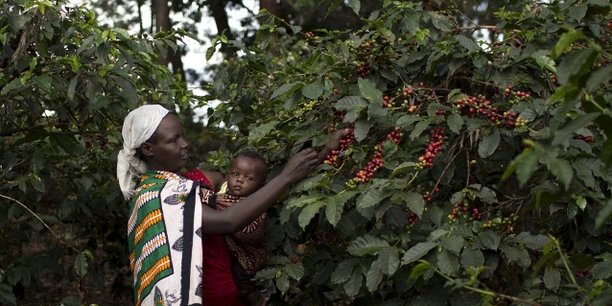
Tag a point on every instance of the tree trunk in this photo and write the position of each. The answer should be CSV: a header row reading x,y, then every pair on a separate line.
x,y
162,22
217,9
272,7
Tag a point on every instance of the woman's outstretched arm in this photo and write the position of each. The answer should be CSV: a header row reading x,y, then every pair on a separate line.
x,y
239,215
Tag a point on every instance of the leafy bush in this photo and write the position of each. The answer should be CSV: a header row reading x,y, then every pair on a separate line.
x,y
476,171
66,85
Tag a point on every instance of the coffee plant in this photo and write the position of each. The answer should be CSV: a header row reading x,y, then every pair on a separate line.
x,y
475,171
65,86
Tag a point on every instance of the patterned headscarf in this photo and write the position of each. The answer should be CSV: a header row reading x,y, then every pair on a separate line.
x,y
139,125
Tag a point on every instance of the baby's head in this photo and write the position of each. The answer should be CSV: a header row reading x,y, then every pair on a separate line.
x,y
246,174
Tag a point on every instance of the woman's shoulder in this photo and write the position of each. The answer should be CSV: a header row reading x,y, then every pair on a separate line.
x,y
209,179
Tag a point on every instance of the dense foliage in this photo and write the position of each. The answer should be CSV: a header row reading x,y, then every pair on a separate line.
x,y
476,171
65,86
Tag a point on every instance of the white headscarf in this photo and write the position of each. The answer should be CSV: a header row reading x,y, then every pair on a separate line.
x,y
138,126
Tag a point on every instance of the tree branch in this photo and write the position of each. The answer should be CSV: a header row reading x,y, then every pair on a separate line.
x,y
41,221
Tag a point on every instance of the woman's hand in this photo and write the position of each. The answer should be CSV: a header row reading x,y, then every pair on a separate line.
x,y
300,165
332,144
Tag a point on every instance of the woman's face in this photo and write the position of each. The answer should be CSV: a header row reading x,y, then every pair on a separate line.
x,y
169,150
245,176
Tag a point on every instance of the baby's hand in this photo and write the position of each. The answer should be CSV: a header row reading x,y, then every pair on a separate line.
x,y
332,144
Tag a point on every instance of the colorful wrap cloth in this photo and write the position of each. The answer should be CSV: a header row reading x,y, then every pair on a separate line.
x,y
248,245
165,239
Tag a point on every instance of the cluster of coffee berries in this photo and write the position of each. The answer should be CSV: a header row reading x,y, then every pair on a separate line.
x,y
520,122
436,140
412,218
554,79
504,224
582,273
481,106
333,158
364,69
367,46
387,102
310,36
367,172
305,108
428,197
515,96
395,135
587,139
407,91
460,209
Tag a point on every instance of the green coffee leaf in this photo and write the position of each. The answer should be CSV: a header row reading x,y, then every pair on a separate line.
x,y
455,122
552,278
374,276
448,263
565,41
351,288
416,252
355,5
521,256
403,168
308,212
546,62
258,132
343,271
419,269
472,258
81,264
282,282
525,164
602,270
581,121
489,144
286,88
369,91
335,206
371,198
419,128
415,202
467,43
600,77
489,239
575,63
312,91
563,171
453,243
351,103
533,242
406,121
367,245
604,215
578,11
295,270
388,261
487,195
362,127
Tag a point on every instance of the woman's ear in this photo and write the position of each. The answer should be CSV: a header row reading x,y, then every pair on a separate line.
x,y
146,149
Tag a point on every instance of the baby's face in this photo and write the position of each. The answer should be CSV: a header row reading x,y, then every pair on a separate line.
x,y
245,176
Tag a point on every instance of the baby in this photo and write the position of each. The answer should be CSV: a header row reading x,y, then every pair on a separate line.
x,y
247,173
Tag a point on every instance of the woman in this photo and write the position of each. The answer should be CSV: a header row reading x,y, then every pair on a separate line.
x,y
166,222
